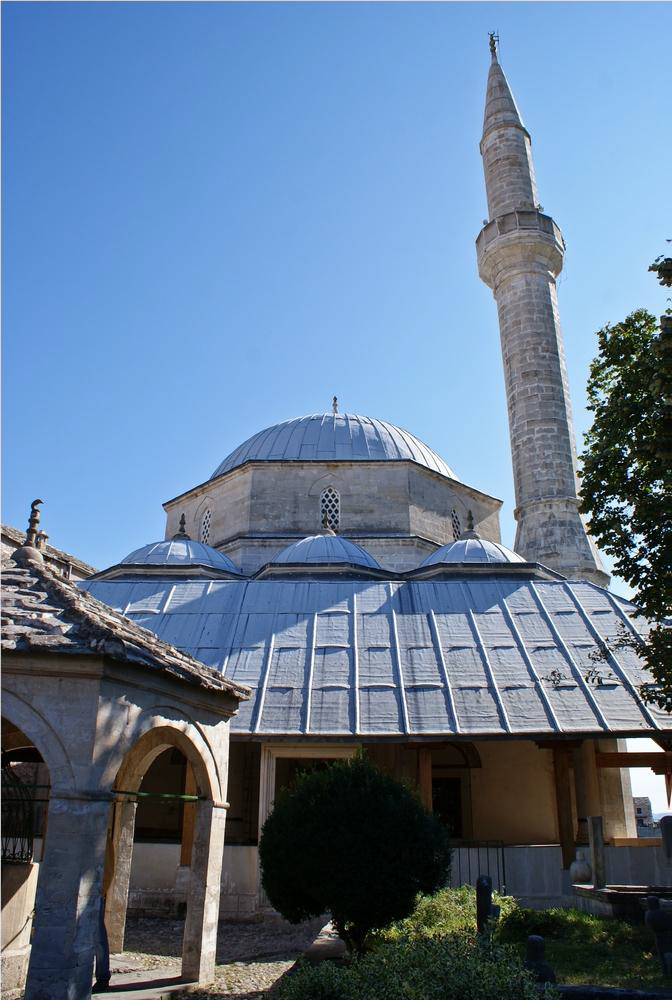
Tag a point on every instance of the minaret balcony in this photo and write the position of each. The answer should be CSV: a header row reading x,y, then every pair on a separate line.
x,y
524,239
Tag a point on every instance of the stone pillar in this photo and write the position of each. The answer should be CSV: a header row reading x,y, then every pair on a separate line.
x,y
587,787
116,903
68,899
200,929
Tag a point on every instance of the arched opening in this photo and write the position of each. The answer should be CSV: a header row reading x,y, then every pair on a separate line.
x,y
165,819
330,508
25,797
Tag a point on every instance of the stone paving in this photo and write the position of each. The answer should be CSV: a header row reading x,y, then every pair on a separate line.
x,y
251,957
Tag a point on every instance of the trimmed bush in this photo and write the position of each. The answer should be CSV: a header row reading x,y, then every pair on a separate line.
x,y
351,841
449,968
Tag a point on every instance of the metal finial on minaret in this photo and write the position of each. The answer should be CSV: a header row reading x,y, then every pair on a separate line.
x,y
334,404
182,533
494,40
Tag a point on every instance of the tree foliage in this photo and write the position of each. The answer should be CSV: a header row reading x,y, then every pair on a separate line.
x,y
626,479
351,841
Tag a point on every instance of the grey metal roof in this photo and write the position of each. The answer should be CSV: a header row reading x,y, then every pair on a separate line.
x,y
472,549
333,437
179,552
325,550
470,655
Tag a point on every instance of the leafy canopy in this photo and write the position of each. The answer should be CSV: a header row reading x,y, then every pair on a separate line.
x,y
351,841
626,480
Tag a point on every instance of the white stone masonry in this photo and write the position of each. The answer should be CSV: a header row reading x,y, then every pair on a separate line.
x,y
520,254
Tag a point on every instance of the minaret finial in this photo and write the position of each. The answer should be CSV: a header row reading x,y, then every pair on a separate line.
x,y
494,39
334,404
182,532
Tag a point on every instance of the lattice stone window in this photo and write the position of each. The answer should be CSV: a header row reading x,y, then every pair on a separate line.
x,y
330,508
457,527
205,527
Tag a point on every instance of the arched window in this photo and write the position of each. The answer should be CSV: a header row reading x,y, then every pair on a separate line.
x,y
204,534
457,527
330,508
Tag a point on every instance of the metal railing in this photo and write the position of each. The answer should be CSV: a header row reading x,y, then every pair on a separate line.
x,y
472,858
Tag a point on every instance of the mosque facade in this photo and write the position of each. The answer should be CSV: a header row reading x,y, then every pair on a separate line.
x,y
339,568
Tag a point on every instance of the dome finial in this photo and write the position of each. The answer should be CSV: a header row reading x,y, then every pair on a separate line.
x,y
182,533
334,404
326,527
494,40
470,521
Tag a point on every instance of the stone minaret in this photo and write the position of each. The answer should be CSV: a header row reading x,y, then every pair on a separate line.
x,y
520,254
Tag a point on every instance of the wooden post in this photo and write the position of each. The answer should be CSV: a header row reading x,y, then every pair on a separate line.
x,y
563,798
425,776
189,816
596,837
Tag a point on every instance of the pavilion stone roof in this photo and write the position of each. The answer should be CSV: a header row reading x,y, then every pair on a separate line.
x,y
43,613
470,654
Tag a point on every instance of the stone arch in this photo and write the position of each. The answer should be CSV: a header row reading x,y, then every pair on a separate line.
x,y
330,479
41,733
153,741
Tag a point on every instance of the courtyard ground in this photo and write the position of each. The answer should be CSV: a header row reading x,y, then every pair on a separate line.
x,y
251,957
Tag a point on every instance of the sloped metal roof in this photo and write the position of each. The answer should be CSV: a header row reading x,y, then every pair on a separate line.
x,y
475,655
325,550
472,549
334,437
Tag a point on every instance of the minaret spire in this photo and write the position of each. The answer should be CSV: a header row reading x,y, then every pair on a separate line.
x,y
520,254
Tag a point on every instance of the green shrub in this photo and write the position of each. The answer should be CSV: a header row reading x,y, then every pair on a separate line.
x,y
566,925
449,968
351,841
446,912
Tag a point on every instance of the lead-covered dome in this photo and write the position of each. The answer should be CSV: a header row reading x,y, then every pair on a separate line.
x,y
181,552
472,549
325,550
334,437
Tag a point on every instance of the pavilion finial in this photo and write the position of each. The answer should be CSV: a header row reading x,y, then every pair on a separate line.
x,y
494,40
470,521
182,531
33,524
334,404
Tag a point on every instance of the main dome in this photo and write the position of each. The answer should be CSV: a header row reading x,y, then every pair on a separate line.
x,y
334,437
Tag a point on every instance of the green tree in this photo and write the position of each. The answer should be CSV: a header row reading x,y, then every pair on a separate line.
x,y
351,841
627,480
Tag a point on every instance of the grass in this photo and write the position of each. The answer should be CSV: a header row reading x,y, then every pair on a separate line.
x,y
581,948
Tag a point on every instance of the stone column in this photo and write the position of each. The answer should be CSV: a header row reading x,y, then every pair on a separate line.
x,y
116,903
200,929
68,899
587,787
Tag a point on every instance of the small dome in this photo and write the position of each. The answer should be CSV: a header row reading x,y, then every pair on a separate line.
x,y
334,437
179,552
324,550
472,549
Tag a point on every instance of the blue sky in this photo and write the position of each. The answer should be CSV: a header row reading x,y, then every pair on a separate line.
x,y
217,215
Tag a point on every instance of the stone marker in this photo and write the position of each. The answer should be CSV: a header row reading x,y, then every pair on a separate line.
x,y
659,919
486,910
535,960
